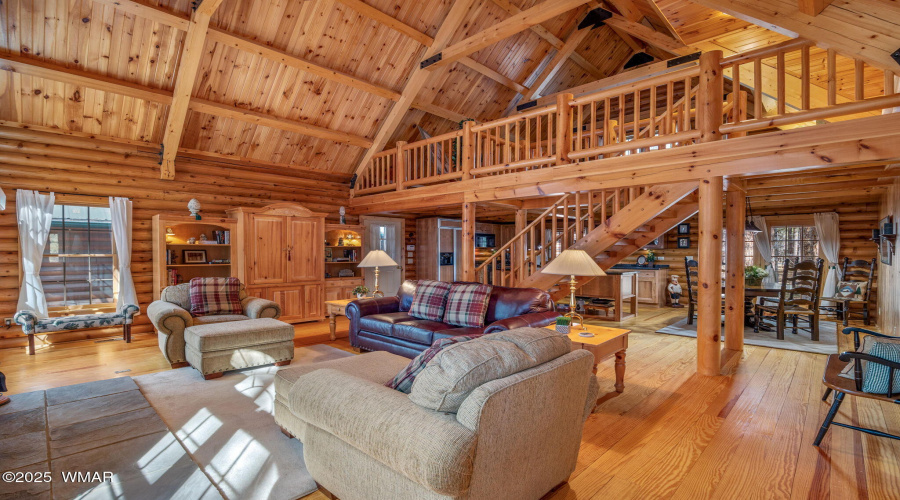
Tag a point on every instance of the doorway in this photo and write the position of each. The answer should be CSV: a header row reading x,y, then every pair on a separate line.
x,y
385,233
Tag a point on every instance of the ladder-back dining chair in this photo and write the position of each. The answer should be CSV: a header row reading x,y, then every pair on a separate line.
x,y
798,299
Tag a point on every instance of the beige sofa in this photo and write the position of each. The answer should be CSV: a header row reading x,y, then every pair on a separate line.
x,y
515,436
171,315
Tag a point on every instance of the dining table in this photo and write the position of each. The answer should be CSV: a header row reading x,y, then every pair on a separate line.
x,y
750,295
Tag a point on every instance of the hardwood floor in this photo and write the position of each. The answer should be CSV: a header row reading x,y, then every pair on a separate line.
x,y
671,434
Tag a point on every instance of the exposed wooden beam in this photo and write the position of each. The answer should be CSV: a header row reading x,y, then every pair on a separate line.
x,y
649,35
416,81
661,17
493,75
41,69
250,116
556,63
150,12
552,39
439,111
813,7
191,53
847,38
539,13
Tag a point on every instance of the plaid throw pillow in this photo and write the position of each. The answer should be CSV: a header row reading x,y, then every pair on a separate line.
x,y
211,296
876,377
467,304
429,300
403,381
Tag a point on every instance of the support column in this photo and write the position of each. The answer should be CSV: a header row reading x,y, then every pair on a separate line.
x,y
468,150
709,295
735,215
468,242
400,165
563,128
709,96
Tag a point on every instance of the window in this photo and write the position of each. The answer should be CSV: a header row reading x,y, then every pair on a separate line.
x,y
78,259
793,243
749,248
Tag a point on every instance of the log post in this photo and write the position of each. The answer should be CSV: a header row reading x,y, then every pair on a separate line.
x,y
710,94
468,242
563,128
468,150
400,165
735,215
518,247
709,301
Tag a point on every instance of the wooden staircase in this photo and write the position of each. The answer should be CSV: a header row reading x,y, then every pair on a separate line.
x,y
609,225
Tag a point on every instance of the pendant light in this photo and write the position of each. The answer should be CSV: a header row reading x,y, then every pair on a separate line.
x,y
749,226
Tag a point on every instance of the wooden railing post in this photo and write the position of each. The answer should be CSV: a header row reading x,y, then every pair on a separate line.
x,y
709,96
400,165
468,150
563,128
518,247
735,215
468,242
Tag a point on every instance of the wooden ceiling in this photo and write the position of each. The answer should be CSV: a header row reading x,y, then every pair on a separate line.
x,y
308,84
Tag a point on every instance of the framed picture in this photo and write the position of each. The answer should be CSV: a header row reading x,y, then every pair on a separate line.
x,y
684,242
886,251
193,257
684,228
446,258
657,244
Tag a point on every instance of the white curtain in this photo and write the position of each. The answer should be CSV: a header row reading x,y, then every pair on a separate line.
x,y
34,213
120,210
830,242
765,249
2,199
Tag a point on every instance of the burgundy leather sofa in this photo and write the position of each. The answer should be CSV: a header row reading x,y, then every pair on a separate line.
x,y
384,324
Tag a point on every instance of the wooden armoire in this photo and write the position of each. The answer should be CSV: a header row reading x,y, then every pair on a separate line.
x,y
281,257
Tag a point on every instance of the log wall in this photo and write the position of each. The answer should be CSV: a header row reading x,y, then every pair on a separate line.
x,y
889,306
77,167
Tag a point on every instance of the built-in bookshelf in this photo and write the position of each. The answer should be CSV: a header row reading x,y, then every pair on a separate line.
x,y
343,253
185,248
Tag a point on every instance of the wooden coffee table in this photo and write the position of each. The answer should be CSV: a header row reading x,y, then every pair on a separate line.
x,y
335,308
606,343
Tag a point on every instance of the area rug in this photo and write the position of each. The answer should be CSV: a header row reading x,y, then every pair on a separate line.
x,y
227,427
827,343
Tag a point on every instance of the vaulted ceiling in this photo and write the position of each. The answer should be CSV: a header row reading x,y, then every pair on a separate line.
x,y
309,84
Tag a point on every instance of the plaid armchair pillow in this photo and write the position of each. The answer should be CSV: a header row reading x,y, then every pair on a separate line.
x,y
403,381
430,300
212,296
467,304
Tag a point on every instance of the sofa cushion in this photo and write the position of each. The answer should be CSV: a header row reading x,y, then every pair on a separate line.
x,y
237,334
219,318
467,304
377,367
403,381
430,300
470,331
211,296
507,302
420,331
457,370
383,323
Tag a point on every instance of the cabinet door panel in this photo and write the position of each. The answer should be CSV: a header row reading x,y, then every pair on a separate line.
x,y
306,255
267,249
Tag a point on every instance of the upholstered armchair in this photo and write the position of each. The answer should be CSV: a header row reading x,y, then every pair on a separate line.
x,y
170,316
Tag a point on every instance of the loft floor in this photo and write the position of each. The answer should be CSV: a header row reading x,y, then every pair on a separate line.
x,y
671,434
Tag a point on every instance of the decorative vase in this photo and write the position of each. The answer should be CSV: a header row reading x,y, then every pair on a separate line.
x,y
360,295
564,329
752,281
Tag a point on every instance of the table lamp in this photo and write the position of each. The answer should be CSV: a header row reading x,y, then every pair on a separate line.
x,y
573,263
376,259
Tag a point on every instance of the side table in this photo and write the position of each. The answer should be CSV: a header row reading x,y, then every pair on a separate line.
x,y
335,308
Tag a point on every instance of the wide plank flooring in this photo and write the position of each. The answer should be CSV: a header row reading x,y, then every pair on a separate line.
x,y
671,434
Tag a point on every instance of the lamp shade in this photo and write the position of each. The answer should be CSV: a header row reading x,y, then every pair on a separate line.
x,y
377,258
573,263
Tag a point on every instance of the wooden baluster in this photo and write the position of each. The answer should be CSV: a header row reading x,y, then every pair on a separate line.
x,y
603,207
531,250
670,109
615,202
740,113
553,233
686,119
400,170
889,84
831,68
579,144
507,151
565,227
591,211
542,240
578,226
636,118
758,109
859,84
735,90
652,112
593,139
563,128
528,154
621,125
780,85
606,122
804,78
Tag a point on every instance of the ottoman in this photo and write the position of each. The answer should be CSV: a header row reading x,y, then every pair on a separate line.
x,y
216,348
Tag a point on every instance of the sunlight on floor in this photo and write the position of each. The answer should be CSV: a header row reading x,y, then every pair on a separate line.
x,y
243,465
198,429
164,454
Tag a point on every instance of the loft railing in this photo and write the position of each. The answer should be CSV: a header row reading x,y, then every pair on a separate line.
x,y
569,219
788,84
